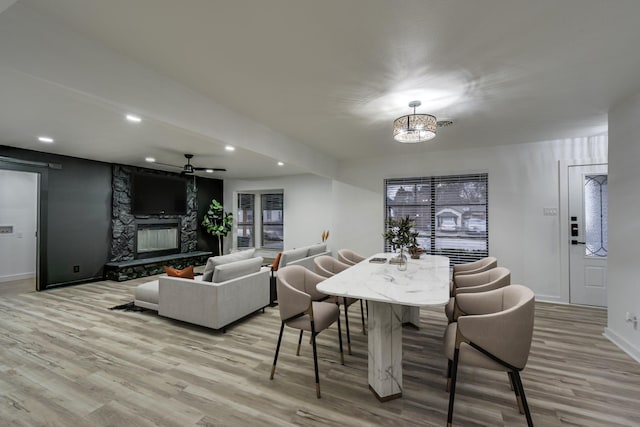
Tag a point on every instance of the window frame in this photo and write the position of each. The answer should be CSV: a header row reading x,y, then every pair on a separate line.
x,y
437,205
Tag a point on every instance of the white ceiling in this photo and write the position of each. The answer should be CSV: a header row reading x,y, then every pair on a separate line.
x,y
330,75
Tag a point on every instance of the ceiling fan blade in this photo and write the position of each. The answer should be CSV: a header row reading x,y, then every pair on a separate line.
x,y
213,169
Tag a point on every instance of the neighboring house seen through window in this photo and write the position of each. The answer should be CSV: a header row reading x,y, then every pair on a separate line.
x,y
450,213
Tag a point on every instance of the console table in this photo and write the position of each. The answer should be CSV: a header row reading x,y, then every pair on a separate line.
x,y
425,282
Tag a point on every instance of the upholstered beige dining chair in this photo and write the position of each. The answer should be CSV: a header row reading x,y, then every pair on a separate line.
x,y
301,308
488,280
327,266
495,333
475,266
349,257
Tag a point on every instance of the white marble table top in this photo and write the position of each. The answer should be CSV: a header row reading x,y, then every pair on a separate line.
x,y
425,282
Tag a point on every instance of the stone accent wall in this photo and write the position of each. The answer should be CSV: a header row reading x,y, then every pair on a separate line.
x,y
123,224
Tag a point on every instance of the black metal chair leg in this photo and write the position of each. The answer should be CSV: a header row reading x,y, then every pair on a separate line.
x,y
275,359
452,389
364,329
518,384
299,342
515,389
315,358
346,322
340,337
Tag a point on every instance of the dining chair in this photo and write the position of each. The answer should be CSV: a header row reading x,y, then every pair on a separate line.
x,y
300,308
475,266
495,333
488,280
349,257
327,266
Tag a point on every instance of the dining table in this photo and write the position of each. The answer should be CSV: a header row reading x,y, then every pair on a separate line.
x,y
394,296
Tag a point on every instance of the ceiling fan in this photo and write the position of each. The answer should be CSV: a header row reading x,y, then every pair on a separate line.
x,y
189,169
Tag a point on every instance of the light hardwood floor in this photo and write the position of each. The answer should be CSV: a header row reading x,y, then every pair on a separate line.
x,y
67,360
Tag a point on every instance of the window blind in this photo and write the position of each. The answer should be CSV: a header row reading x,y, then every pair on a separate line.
x,y
450,213
272,220
245,221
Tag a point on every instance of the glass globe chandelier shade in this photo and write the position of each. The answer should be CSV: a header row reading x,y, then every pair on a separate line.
x,y
414,128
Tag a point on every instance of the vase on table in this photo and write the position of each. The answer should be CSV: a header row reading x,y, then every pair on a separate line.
x,y
402,260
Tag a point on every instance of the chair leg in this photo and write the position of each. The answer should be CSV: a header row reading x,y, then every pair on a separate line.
x,y
346,322
364,329
518,384
340,337
275,359
299,342
516,391
315,358
452,389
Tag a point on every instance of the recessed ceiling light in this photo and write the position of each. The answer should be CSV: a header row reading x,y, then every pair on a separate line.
x,y
280,164
45,139
149,159
133,118
230,148
209,170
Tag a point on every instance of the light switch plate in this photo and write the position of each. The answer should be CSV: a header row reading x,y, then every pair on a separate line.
x,y
550,211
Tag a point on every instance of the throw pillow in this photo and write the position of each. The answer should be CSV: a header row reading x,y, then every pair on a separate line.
x,y
186,273
215,261
276,262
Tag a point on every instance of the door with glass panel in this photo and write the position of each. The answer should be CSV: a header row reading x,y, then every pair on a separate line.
x,y
588,190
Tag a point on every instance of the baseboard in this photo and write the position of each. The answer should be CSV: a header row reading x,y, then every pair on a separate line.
x,y
13,277
552,299
624,345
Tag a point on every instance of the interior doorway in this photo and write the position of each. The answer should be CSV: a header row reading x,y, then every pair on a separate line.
x,y
588,240
18,231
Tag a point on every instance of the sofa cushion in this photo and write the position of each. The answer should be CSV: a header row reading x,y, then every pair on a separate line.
x,y
236,269
317,249
215,261
293,255
186,273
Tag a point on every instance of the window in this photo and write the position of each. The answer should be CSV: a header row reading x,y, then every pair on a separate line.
x,y
245,223
272,220
450,213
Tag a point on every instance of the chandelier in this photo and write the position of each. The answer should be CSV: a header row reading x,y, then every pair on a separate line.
x,y
414,128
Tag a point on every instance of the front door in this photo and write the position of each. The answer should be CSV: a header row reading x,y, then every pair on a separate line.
x,y
588,246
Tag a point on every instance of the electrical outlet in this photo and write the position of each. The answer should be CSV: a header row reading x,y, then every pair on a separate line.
x,y
76,269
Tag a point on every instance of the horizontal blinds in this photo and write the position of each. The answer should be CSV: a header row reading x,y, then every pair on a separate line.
x,y
450,213
245,220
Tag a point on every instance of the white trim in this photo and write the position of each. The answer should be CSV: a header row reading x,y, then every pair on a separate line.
x,y
554,299
623,344
14,277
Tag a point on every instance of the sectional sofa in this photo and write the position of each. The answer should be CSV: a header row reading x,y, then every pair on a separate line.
x,y
231,287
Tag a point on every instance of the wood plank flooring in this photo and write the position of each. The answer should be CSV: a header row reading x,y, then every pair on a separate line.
x,y
67,360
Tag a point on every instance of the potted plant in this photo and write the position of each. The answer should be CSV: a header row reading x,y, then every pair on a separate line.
x,y
217,222
400,235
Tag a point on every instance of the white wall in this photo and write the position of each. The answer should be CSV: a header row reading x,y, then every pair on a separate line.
x,y
18,204
307,206
624,227
523,179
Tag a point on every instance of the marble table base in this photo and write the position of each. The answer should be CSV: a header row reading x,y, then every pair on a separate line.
x,y
385,350
411,315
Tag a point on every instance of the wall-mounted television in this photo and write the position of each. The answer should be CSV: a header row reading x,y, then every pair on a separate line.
x,y
158,195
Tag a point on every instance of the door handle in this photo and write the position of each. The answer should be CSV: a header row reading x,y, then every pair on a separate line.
x,y
575,242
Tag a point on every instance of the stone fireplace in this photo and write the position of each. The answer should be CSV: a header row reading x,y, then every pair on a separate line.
x,y
156,237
